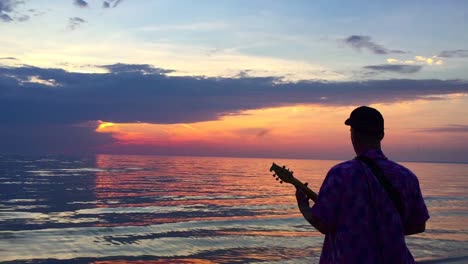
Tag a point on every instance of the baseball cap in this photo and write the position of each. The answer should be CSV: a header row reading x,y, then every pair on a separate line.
x,y
367,120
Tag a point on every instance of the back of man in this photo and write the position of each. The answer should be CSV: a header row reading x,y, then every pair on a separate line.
x,y
363,222
365,208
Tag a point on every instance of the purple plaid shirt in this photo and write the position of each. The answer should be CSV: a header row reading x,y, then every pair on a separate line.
x,y
365,225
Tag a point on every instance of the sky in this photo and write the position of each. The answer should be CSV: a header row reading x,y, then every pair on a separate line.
x,y
232,78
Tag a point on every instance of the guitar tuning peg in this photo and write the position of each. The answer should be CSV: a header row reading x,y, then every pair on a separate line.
x,y
277,179
281,182
274,175
284,167
292,172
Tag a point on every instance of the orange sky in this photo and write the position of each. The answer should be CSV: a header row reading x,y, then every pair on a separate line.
x,y
298,131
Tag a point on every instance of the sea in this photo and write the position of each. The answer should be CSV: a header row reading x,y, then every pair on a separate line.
x,y
154,209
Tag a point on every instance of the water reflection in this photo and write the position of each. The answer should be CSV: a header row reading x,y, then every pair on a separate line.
x,y
44,193
179,189
142,209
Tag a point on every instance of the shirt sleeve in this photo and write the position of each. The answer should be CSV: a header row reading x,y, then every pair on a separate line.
x,y
416,209
327,206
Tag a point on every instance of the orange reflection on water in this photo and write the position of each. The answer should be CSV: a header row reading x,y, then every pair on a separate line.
x,y
194,188
163,220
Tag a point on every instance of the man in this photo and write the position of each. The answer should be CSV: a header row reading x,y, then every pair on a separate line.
x,y
365,219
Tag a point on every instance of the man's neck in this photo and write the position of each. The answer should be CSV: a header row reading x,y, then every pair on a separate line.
x,y
363,149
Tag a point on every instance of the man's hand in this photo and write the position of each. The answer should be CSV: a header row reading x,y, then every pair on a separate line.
x,y
302,198
304,207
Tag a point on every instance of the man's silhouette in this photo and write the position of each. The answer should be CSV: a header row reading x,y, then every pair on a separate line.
x,y
367,205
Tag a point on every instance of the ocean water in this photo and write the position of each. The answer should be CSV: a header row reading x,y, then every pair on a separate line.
x,y
151,209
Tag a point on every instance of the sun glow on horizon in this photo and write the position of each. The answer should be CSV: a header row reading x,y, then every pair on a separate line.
x,y
296,128
103,125
251,126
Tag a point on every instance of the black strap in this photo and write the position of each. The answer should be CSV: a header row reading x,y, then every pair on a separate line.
x,y
378,172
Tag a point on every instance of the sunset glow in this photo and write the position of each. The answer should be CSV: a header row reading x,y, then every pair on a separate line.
x,y
254,80
312,129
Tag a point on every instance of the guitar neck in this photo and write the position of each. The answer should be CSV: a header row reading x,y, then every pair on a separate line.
x,y
298,184
287,176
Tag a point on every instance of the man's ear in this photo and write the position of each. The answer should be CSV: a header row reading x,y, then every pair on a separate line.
x,y
356,134
382,135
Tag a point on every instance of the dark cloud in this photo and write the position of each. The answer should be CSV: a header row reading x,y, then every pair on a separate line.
x,y
5,18
51,139
243,74
75,22
406,69
454,54
8,58
448,129
39,118
364,42
132,93
134,68
117,2
111,3
9,6
80,3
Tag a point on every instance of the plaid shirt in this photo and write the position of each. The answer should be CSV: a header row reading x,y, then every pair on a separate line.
x,y
365,225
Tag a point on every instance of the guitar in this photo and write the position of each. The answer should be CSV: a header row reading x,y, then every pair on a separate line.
x,y
283,174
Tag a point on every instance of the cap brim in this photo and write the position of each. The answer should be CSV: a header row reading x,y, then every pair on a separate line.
x,y
348,122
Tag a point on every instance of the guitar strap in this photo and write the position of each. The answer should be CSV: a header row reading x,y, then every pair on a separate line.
x,y
379,174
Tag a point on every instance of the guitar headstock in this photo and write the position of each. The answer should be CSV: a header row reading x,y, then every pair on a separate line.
x,y
282,174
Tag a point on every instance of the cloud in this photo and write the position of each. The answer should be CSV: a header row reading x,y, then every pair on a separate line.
x,y
256,132
36,13
75,22
111,3
434,60
428,60
134,68
8,58
80,3
397,68
23,18
117,2
52,139
364,42
460,53
8,6
5,18
452,128
37,117
139,93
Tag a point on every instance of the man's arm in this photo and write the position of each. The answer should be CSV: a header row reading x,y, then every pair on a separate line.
x,y
416,211
304,207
